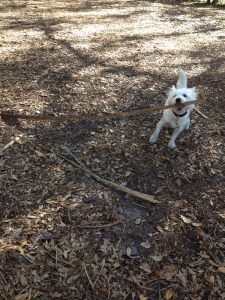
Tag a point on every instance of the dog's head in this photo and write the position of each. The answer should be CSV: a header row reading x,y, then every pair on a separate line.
x,y
180,93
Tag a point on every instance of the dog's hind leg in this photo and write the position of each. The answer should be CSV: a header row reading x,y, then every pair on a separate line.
x,y
175,134
154,137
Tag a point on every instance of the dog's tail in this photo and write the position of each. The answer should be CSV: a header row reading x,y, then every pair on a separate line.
x,y
182,80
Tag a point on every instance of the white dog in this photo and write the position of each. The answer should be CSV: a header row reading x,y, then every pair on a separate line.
x,y
178,118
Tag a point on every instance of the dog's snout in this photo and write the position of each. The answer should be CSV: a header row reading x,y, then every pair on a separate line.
x,y
178,100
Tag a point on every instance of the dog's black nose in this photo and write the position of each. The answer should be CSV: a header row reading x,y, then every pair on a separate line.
x,y
178,100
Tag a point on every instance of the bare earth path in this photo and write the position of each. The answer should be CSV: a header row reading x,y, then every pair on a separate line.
x,y
64,236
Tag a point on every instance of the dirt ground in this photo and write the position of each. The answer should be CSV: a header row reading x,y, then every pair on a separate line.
x,y
62,234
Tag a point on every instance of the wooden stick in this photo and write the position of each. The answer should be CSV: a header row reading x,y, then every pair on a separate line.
x,y
200,113
108,183
116,186
99,226
9,115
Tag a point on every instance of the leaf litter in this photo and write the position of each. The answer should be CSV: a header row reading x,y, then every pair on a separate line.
x,y
64,236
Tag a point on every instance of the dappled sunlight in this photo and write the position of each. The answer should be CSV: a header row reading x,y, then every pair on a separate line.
x,y
125,24
65,235
21,40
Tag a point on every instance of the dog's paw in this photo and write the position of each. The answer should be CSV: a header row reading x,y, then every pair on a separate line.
x,y
172,145
153,139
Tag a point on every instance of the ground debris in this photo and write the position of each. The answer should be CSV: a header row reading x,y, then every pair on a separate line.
x,y
65,236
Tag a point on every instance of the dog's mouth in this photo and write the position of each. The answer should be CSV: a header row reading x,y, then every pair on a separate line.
x,y
180,106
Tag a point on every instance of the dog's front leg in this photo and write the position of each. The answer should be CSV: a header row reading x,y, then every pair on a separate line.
x,y
154,137
175,134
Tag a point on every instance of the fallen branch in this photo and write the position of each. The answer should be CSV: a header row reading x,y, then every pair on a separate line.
x,y
200,113
108,183
11,117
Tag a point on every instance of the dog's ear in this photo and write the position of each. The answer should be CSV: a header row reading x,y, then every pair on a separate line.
x,y
182,80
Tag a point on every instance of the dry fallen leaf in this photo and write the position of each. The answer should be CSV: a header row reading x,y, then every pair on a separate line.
x,y
157,257
145,245
186,220
196,224
56,295
221,269
183,277
128,251
160,229
128,173
169,294
168,272
142,297
138,222
22,297
145,267
210,279
23,280
222,214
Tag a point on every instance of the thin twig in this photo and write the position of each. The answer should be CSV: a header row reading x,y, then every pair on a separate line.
x,y
3,278
88,277
217,130
200,113
99,274
99,226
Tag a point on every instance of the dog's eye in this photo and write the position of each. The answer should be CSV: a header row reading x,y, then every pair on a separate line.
x,y
185,96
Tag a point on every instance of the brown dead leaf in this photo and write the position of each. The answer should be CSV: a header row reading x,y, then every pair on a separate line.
x,y
160,229
23,280
157,257
142,297
138,222
183,277
145,267
221,269
129,251
169,294
145,245
22,297
222,214
210,279
186,219
56,295
196,224
168,272
128,173
40,154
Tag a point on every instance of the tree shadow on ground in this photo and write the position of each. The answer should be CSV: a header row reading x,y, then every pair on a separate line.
x,y
11,7
49,199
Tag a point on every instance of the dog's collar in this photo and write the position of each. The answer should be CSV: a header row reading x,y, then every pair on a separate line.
x,y
179,116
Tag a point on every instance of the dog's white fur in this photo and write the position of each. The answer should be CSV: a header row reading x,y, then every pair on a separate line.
x,y
169,118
